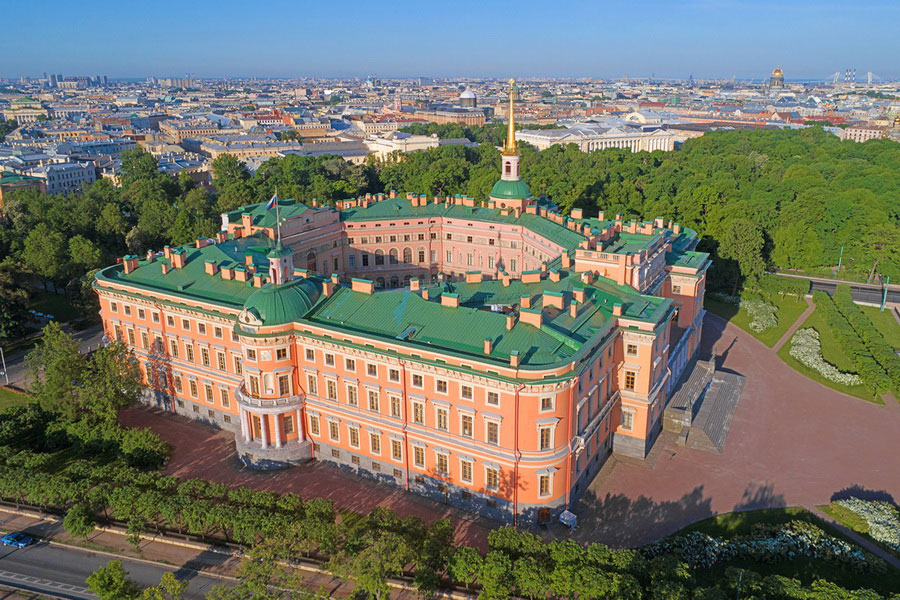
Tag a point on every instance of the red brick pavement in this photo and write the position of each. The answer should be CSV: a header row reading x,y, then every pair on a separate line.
x,y
203,451
792,442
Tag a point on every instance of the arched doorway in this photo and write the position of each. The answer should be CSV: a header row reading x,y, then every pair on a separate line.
x,y
311,261
393,256
379,282
395,281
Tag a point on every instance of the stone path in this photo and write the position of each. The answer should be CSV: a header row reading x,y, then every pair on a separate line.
x,y
795,325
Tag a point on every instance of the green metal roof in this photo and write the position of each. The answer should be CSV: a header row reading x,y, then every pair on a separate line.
x,y
510,190
279,304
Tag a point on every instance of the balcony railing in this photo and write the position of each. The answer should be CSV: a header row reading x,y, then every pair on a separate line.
x,y
285,401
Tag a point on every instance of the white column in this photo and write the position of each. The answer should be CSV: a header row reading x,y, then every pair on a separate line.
x,y
245,426
264,433
300,437
277,422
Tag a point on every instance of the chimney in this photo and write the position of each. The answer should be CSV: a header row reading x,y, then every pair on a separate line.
x,y
200,242
578,294
504,276
362,285
474,277
238,232
315,203
258,280
532,316
179,258
543,267
247,221
617,309
676,228
577,213
488,346
150,256
601,216
227,273
130,263
167,252
450,300
335,279
301,273
587,277
327,288
659,222
514,359
566,260
510,321
554,274
425,294
573,309
554,299
525,301
240,273
165,267
221,236
531,276
393,193
211,267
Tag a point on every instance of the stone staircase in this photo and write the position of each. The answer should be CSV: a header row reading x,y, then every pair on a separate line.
x,y
718,402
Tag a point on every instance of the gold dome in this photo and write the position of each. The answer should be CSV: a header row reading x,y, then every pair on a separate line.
x,y
777,71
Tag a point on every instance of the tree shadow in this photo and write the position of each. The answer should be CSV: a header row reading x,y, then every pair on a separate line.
x,y
857,491
757,496
204,560
619,521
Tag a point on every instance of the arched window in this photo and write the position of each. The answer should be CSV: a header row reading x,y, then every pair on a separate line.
x,y
379,282
393,255
311,261
508,170
379,259
407,256
395,281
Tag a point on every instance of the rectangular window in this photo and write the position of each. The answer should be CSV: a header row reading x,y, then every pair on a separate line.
x,y
544,485
145,340
238,365
375,443
546,404
349,364
334,432
208,391
114,307
251,354
374,403
443,467
312,384
254,386
223,396
372,370
493,398
396,450
352,395
418,381
354,437
418,413
676,290
442,419
284,385
395,406
173,348
170,320
201,328
329,360
546,438
465,470
351,261
627,420
394,375
204,356
281,354
491,478
629,380
419,457
288,424
449,256
155,316
177,382
185,324
310,355
631,349
220,361
492,433
127,310
331,389
141,314
217,331
466,425
314,425
440,385
365,260
513,264
131,337
192,385
466,392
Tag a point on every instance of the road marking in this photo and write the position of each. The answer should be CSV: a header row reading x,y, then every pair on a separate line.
x,y
44,582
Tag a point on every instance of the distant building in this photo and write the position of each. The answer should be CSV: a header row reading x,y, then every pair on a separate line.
x,y
777,78
10,182
179,129
862,133
595,136
66,177
468,99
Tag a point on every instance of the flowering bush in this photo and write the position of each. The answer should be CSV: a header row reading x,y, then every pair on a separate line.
x,y
762,315
766,544
807,349
882,518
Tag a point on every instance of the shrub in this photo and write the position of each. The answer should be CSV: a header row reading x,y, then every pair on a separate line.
x,y
807,349
143,449
762,315
881,517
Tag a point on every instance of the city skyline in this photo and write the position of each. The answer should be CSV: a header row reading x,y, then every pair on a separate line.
x,y
706,39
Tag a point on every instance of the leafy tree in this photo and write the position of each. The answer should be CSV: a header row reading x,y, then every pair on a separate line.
x,y
465,565
46,253
110,582
742,241
84,254
56,368
79,521
169,588
13,302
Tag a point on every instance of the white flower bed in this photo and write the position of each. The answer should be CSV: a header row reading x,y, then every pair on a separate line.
x,y
807,349
770,545
882,518
762,315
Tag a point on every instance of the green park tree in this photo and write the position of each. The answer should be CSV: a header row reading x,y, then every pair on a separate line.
x,y
110,582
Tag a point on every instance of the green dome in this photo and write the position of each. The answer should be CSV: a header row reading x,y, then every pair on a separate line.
x,y
510,190
279,304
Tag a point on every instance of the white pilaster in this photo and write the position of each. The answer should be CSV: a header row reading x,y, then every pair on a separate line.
x,y
264,432
278,424
300,425
245,425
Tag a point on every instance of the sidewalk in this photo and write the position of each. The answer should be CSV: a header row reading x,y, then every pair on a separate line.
x,y
795,326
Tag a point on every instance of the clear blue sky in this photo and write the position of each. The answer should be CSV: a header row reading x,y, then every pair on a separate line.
x,y
323,38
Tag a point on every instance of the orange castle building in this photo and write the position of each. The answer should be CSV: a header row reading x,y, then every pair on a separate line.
x,y
489,354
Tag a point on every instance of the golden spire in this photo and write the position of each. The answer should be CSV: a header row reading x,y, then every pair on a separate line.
x,y
510,147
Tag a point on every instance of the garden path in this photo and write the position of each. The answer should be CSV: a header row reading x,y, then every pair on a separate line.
x,y
796,325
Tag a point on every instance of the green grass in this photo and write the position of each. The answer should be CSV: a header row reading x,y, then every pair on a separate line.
x,y
789,310
884,321
851,520
9,398
832,352
53,304
806,570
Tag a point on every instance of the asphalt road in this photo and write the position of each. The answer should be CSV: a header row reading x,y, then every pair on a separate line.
x,y
89,339
62,571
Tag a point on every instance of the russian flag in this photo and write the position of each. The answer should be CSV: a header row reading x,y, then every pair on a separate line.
x,y
271,203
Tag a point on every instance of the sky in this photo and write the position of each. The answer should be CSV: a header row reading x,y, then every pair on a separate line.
x,y
810,39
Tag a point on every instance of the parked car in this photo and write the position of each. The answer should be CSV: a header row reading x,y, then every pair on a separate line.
x,y
17,539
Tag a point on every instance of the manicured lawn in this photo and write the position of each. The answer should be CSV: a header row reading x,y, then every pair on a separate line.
x,y
806,570
851,520
10,398
831,351
884,322
789,309
53,304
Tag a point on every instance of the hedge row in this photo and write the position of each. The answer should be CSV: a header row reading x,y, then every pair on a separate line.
x,y
872,374
881,351
776,284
